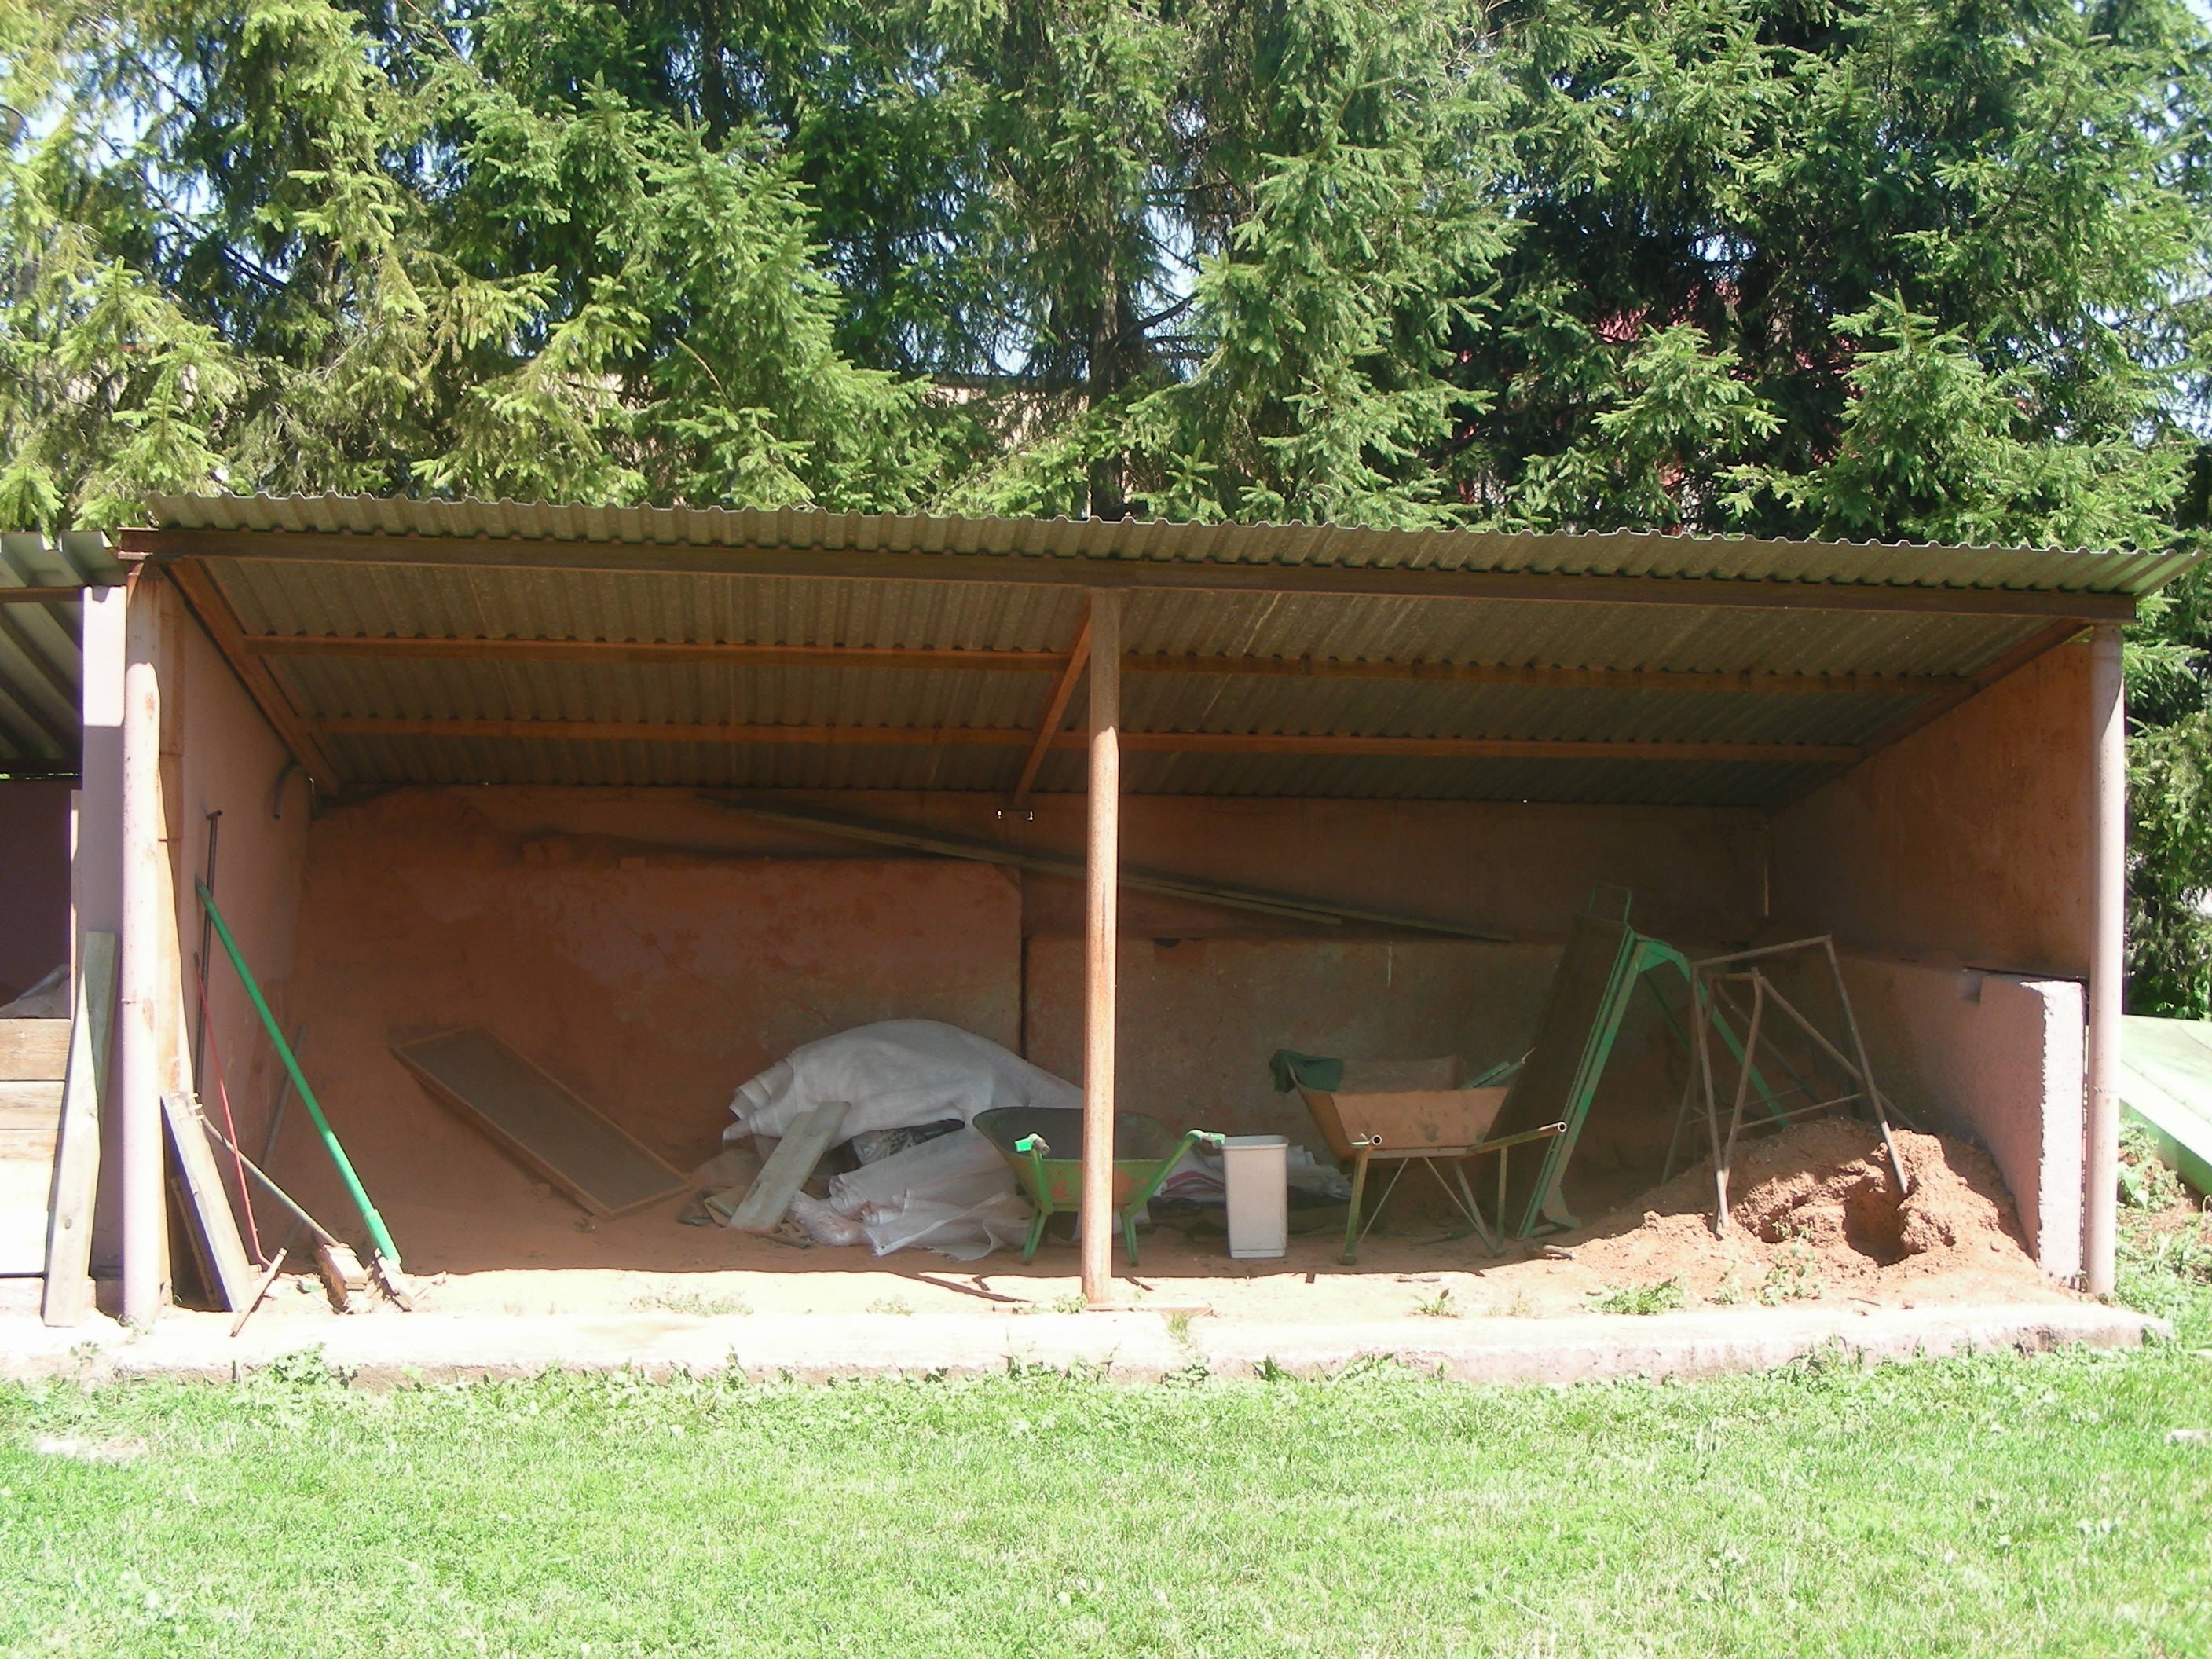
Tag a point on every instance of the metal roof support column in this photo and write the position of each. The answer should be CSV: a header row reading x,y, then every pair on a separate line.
x,y
1102,874
145,912
2108,771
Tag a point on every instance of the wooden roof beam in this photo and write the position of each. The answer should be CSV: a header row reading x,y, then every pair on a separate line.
x,y
221,623
746,654
1195,742
1055,712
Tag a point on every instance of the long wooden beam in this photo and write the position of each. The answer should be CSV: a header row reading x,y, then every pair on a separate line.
x,y
720,653
221,622
956,658
1055,711
1194,742
41,595
1158,575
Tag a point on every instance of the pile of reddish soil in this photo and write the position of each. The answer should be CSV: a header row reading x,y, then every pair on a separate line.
x,y
1816,1208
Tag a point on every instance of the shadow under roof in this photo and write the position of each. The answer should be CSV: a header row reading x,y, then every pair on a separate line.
x,y
496,642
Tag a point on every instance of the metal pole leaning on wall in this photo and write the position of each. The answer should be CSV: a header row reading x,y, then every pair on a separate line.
x,y
2108,771
1100,919
139,1033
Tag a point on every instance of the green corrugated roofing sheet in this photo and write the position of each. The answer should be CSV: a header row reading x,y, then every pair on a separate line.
x,y
42,656
1612,553
2166,1084
344,567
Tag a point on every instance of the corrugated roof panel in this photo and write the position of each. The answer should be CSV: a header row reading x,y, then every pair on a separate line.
x,y
686,694
681,765
41,657
1530,633
275,595
1613,553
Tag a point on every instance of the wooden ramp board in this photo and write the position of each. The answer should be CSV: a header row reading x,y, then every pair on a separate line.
x,y
817,1129
207,1204
68,1299
30,1126
543,1124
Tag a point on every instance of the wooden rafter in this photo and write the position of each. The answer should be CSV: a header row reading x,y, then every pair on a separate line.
x,y
746,655
720,653
1158,575
1197,743
221,622
41,595
1055,711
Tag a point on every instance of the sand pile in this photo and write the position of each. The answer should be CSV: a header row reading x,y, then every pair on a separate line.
x,y
1816,1208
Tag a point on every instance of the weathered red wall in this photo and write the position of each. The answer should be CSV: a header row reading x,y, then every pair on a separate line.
x,y
1967,844
34,882
652,981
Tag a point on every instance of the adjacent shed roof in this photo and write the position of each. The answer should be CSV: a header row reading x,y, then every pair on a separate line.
x,y
477,641
42,656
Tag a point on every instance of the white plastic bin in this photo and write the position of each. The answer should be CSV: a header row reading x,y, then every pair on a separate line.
x,y
1255,1168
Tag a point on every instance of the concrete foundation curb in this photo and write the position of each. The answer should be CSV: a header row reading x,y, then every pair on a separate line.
x,y
389,1349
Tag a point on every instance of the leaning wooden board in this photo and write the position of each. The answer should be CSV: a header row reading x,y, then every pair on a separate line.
x,y
34,1056
545,1126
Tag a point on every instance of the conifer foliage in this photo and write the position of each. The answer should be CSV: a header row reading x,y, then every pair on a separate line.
x,y
1901,269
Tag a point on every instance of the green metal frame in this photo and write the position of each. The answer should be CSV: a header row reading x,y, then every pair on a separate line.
x,y
1641,957
1041,1185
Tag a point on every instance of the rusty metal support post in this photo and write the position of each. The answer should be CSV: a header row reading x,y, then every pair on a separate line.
x,y
138,1037
1103,855
2108,772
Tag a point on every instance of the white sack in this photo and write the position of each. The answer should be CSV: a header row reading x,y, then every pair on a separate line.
x,y
895,1073
964,1235
959,1169
954,1195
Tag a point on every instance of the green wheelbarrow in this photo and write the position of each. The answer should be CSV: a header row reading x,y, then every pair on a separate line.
x,y
1145,1150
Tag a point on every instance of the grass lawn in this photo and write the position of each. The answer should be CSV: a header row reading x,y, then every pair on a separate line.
x,y
1989,1505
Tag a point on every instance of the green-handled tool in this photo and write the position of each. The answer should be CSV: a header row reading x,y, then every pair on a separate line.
x,y
379,1238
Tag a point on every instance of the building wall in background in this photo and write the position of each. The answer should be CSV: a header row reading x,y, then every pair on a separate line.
x,y
34,882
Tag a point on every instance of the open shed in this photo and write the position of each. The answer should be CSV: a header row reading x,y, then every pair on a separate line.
x,y
457,755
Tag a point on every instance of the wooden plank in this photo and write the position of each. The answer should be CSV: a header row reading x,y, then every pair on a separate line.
x,y
218,1228
1187,743
68,1299
543,1124
25,1186
223,628
963,659
1120,574
34,1050
31,1107
41,595
1055,711
719,653
817,1129
32,1144
1102,891
1546,678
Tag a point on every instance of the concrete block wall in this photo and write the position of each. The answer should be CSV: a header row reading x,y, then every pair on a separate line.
x,y
1996,1058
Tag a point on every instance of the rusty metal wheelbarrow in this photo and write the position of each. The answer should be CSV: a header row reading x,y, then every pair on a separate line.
x,y
1043,1146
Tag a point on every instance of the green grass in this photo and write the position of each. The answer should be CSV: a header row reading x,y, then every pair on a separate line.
x,y
1660,1295
1989,1505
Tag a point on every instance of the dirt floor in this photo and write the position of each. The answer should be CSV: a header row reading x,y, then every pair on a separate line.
x,y
1817,1218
